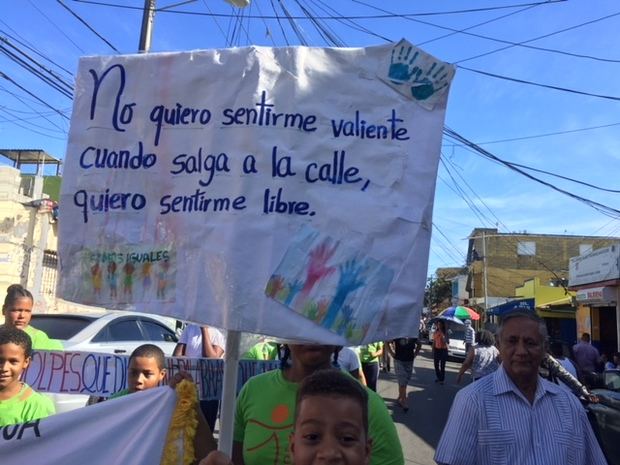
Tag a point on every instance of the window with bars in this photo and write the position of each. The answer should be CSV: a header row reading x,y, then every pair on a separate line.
x,y
50,270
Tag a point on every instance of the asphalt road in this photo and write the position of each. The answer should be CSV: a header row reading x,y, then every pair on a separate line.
x,y
429,403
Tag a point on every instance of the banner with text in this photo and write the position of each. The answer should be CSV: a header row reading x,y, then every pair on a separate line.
x,y
281,191
130,430
102,375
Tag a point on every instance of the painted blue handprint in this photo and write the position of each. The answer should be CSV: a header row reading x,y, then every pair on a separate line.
x,y
416,73
351,278
402,63
293,290
428,83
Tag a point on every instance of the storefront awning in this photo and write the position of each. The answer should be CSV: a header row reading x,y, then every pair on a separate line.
x,y
566,301
520,304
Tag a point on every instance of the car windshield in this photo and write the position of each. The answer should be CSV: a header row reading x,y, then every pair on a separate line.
x,y
61,327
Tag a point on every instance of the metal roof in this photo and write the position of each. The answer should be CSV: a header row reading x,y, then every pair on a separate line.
x,y
30,156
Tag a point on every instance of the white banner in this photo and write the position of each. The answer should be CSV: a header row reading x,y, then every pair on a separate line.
x,y
104,374
282,191
130,430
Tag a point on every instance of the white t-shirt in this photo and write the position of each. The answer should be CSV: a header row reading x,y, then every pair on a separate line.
x,y
348,359
192,338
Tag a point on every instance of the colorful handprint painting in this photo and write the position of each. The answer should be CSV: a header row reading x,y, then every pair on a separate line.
x,y
416,74
330,284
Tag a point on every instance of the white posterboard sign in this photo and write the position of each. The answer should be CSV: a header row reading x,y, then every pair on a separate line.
x,y
281,191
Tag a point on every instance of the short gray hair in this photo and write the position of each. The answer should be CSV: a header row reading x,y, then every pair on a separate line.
x,y
542,327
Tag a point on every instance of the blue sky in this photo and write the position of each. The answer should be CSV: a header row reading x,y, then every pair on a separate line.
x,y
483,109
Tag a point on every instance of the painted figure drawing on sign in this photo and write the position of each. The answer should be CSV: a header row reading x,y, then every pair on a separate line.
x,y
329,284
416,74
127,275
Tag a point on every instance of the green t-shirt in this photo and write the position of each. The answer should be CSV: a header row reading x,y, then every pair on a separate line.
x,y
40,340
262,351
365,351
265,417
25,406
120,393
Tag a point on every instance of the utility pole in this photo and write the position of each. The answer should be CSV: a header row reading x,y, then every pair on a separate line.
x,y
484,271
146,32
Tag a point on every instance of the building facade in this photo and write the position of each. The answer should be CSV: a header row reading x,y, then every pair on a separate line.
x,y
595,277
500,262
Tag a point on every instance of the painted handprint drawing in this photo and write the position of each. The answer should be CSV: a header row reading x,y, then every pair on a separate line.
x,y
402,64
417,74
350,279
334,286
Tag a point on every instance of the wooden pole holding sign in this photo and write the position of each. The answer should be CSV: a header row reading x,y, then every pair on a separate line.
x,y
229,389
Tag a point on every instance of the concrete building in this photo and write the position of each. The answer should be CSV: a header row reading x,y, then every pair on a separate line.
x,y
500,262
596,279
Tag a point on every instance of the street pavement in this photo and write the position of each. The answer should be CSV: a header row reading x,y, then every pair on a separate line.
x,y
429,403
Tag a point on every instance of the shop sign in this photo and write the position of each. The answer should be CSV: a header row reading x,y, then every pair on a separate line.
x,y
596,266
595,295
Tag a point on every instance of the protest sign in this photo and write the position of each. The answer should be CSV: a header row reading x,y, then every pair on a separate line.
x,y
102,375
282,191
130,430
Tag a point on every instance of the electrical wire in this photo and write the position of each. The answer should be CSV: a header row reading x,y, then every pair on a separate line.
x,y
30,47
56,26
90,28
537,136
606,210
3,75
383,16
544,36
489,21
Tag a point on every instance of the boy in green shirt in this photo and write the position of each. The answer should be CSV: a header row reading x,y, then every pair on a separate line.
x,y
330,422
145,371
19,403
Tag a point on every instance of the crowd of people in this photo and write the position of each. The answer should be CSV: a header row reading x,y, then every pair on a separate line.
x,y
321,405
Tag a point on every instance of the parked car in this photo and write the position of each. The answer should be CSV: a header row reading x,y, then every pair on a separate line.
x,y
456,346
112,332
605,415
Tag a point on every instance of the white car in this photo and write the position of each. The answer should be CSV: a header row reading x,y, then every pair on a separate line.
x,y
456,335
112,332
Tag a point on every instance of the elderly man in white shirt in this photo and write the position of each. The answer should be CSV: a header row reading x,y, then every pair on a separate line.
x,y
514,416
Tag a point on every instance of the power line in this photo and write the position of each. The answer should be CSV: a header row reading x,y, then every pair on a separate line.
x,y
3,75
492,20
383,16
56,26
537,136
30,47
510,43
28,67
544,36
606,210
90,28
538,84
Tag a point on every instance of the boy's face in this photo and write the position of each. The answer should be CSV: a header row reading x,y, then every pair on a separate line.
x,y
330,430
18,314
144,374
13,362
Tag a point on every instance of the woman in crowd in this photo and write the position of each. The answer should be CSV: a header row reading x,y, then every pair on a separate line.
x,y
440,351
265,411
483,358
369,355
17,311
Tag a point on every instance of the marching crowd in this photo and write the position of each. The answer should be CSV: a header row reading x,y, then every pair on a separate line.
x,y
321,405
